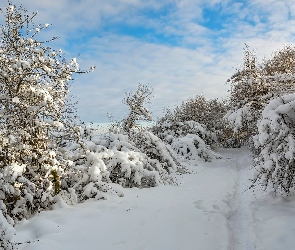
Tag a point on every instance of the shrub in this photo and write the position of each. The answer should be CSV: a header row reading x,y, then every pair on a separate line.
x,y
34,82
254,85
116,159
194,116
275,140
158,160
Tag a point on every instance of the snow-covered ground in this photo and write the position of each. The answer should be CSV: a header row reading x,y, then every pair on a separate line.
x,y
209,209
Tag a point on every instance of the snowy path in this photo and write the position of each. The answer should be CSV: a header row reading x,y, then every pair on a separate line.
x,y
240,216
207,211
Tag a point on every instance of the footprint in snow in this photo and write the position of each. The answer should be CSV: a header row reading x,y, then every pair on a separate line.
x,y
216,207
198,204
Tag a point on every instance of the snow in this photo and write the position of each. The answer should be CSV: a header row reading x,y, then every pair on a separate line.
x,y
235,117
10,8
14,171
15,99
211,208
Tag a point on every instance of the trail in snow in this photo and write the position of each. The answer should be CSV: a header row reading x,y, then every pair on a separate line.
x,y
240,216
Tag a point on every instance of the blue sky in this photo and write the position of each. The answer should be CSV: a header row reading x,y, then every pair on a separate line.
x,y
181,48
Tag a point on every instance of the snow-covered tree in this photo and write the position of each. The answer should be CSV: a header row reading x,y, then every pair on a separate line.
x,y
194,116
279,71
282,61
157,160
136,103
206,112
254,85
247,97
33,88
192,128
276,142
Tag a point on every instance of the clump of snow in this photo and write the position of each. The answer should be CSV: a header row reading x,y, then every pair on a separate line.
x,y
7,231
13,171
15,99
10,8
237,118
192,147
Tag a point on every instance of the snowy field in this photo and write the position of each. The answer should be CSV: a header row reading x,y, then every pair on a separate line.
x,y
209,209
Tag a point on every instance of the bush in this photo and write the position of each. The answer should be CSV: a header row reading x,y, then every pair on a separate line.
x,y
34,124
275,140
189,138
117,159
254,85
158,160
196,115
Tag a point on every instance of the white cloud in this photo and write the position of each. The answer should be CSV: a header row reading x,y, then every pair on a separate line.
x,y
175,73
197,62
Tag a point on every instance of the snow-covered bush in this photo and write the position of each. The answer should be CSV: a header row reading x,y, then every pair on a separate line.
x,y
161,155
198,110
192,128
155,161
242,124
247,97
33,88
113,158
168,126
188,138
140,157
6,232
275,140
192,147
254,85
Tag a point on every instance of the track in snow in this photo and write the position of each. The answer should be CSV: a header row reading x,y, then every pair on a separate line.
x,y
240,215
